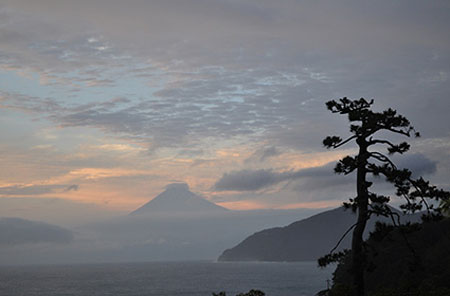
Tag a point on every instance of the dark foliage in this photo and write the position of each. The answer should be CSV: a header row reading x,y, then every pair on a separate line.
x,y
420,267
364,124
332,257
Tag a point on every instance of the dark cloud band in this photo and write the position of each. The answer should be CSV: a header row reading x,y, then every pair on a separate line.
x,y
317,178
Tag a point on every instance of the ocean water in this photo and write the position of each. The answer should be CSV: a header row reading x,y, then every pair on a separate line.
x,y
164,279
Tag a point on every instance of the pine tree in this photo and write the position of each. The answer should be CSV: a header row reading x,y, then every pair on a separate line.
x,y
364,125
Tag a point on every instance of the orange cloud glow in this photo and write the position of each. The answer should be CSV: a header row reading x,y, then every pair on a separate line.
x,y
312,205
243,205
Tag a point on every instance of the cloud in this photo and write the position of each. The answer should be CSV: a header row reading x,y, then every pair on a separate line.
x,y
72,188
269,152
205,75
263,154
253,84
105,173
417,163
251,180
320,184
247,180
35,189
315,178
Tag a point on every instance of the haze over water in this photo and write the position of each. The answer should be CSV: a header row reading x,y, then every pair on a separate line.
x,y
164,279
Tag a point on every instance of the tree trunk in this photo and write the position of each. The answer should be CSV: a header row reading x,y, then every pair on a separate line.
x,y
358,254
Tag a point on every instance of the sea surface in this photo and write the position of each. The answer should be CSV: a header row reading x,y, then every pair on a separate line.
x,y
164,279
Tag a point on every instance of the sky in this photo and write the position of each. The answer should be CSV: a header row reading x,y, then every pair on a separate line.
x,y
104,103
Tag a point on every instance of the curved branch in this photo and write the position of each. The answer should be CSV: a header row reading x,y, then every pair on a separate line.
x,y
392,214
342,237
413,183
408,244
405,196
344,142
395,216
397,131
386,212
376,141
345,234
383,158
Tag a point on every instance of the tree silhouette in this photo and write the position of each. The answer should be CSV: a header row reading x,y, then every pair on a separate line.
x,y
364,124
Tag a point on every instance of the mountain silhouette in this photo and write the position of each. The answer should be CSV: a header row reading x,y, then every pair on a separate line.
x,y
16,231
304,240
177,198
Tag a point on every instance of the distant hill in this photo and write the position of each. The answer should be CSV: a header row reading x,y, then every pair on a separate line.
x,y
177,198
14,231
307,239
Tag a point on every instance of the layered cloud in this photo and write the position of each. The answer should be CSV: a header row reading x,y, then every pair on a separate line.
x,y
35,189
122,99
221,83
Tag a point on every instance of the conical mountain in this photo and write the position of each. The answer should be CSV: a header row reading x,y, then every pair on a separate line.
x,y
177,198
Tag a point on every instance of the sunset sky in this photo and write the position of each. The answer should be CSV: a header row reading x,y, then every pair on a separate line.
x,y
104,103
